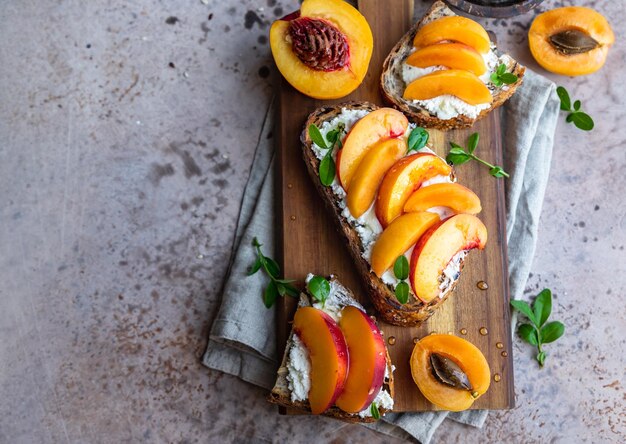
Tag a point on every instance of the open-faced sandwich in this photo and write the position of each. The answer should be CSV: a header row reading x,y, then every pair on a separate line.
x,y
335,362
403,216
447,73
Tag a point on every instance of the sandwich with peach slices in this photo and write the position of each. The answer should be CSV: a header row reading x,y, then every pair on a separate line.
x,y
335,363
407,223
447,73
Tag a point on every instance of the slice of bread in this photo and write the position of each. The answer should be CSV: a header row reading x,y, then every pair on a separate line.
x,y
392,85
281,394
381,294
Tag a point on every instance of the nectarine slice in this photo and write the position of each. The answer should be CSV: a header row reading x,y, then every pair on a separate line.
x,y
398,237
454,28
462,84
451,55
328,354
324,50
462,353
572,41
404,177
452,195
438,246
370,172
368,360
381,124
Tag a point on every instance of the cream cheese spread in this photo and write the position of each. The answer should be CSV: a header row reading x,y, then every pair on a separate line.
x,y
299,370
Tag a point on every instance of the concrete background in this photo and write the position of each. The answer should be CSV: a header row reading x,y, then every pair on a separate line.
x,y
127,129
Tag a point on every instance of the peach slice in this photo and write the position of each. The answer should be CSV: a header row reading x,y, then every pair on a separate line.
x,y
324,49
384,123
370,172
328,353
368,360
451,55
462,84
404,177
451,195
454,28
465,355
398,237
437,246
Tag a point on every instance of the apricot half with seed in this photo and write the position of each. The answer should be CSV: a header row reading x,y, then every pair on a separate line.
x,y
324,49
449,371
571,41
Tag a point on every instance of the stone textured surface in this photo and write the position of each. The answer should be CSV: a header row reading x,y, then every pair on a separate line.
x,y
127,132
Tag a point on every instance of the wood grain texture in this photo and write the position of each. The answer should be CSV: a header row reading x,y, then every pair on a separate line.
x,y
309,242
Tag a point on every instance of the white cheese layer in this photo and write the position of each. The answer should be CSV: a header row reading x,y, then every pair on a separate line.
x,y
299,370
447,106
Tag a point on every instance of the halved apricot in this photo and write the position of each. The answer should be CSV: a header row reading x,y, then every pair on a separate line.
x,y
324,50
572,41
398,237
452,195
454,28
404,177
451,55
462,84
463,354
370,172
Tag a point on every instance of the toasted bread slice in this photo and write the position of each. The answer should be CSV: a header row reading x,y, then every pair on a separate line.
x,y
281,394
381,294
392,85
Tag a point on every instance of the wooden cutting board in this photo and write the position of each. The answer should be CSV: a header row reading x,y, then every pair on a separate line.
x,y
310,242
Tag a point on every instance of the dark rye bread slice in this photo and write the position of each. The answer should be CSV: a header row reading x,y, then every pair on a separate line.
x,y
392,86
382,295
281,395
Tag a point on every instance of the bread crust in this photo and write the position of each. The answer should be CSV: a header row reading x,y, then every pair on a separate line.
x,y
382,295
280,395
392,93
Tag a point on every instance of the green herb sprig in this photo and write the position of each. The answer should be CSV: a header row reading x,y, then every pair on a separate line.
x,y
458,156
582,120
276,286
319,288
417,139
374,411
538,332
401,271
327,167
501,77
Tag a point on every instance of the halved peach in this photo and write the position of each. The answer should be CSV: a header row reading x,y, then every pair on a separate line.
x,y
368,360
328,353
572,41
404,177
370,172
454,28
465,355
398,237
438,246
381,124
452,195
323,50
462,84
451,55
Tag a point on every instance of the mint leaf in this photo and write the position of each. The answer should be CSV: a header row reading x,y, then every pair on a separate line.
x,y
401,268
497,171
577,105
418,138
255,267
319,288
327,170
566,103
528,333
270,295
271,267
508,78
541,358
524,308
582,121
374,411
316,136
332,136
542,306
472,143
402,292
552,331
457,158
501,69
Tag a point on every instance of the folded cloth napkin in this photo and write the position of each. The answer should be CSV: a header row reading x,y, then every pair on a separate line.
x,y
242,341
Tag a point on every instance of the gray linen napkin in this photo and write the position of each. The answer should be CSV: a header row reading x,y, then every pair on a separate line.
x,y
242,340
